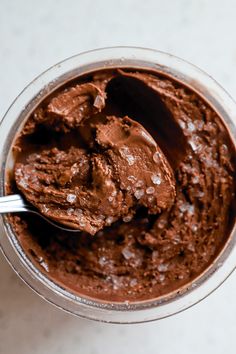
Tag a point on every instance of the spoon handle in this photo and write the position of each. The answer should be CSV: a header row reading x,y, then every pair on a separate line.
x,y
15,204
12,203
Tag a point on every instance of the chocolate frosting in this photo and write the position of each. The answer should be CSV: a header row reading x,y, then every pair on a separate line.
x,y
139,157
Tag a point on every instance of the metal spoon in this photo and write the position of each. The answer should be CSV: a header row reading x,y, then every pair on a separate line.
x,y
16,204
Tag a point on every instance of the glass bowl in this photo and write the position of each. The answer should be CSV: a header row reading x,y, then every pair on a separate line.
x,y
14,119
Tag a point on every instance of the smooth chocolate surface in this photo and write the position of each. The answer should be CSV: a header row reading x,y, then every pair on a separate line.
x,y
139,163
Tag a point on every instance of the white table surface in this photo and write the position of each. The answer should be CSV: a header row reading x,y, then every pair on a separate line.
x,y
33,36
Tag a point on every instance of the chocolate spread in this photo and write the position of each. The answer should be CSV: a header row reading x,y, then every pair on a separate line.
x,y
142,167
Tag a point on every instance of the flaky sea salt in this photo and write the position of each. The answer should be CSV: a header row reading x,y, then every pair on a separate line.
x,y
162,267
125,153
191,247
71,198
102,261
183,207
79,212
124,150
23,183
74,168
136,261
176,239
191,209
18,172
131,178
155,255
161,278
191,127
161,223
70,211
82,222
109,220
127,218
117,282
194,228
98,102
139,193
182,124
150,190
156,179
44,208
193,145
200,194
127,254
131,159
100,217
224,149
154,282
133,282
151,198
195,180
186,207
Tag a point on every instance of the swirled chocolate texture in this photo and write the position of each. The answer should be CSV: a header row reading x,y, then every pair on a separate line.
x,y
140,164
90,188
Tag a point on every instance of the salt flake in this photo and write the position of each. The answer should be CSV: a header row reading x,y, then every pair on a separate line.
x,y
131,178
127,218
109,220
133,282
71,198
127,254
161,277
195,180
150,190
193,145
191,127
131,159
162,267
156,179
70,211
139,193
102,261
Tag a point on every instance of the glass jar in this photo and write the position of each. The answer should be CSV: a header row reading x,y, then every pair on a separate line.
x,y
15,118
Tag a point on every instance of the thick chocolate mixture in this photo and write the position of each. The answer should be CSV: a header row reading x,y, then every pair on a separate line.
x,y
143,167
90,188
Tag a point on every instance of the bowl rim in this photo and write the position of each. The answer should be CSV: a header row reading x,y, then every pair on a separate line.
x,y
113,57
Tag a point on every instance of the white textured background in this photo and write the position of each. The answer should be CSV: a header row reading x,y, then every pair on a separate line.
x,y
33,36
